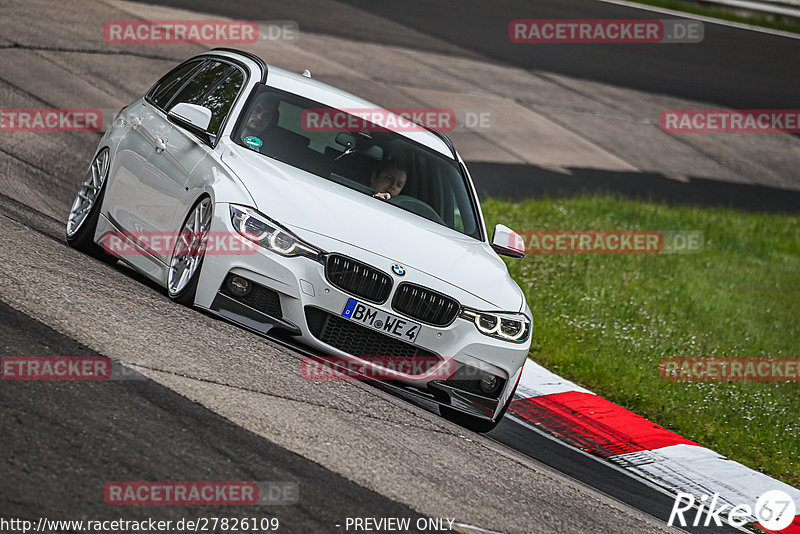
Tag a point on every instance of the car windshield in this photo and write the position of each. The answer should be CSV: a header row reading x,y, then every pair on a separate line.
x,y
346,148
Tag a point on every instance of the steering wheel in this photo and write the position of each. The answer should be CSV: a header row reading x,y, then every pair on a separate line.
x,y
415,205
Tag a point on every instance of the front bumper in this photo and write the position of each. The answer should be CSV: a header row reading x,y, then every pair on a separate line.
x,y
299,285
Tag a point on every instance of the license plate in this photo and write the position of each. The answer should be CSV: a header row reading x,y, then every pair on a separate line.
x,y
381,321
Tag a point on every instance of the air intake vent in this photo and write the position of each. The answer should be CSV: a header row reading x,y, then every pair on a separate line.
x,y
259,298
358,340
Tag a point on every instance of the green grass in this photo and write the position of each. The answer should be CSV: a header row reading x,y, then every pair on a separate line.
x,y
606,321
733,15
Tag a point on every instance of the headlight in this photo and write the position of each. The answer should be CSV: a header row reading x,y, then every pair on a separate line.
x,y
268,234
508,327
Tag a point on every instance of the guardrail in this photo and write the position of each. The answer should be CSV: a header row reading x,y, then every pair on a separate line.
x,y
782,8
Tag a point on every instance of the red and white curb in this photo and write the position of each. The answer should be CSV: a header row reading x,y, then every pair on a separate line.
x,y
630,441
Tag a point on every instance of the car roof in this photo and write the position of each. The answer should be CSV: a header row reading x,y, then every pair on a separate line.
x,y
332,96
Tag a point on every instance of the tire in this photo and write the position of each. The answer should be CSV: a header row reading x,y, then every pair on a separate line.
x,y
85,210
187,257
471,422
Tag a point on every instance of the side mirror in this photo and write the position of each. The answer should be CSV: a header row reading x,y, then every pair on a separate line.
x,y
507,242
190,116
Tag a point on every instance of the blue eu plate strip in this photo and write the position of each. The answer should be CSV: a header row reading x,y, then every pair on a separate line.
x,y
348,310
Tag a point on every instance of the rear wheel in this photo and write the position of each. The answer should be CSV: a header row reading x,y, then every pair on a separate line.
x,y
85,211
188,254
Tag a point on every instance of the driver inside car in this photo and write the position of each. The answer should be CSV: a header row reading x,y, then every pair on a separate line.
x,y
263,117
388,180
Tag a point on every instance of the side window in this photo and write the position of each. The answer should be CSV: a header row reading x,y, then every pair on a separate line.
x,y
204,81
221,98
215,86
169,85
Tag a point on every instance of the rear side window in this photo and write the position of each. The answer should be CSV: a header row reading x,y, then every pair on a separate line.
x,y
171,83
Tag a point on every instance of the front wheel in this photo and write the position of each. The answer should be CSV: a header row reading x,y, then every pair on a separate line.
x,y
188,254
85,211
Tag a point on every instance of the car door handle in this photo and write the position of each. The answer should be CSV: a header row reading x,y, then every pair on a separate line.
x,y
161,144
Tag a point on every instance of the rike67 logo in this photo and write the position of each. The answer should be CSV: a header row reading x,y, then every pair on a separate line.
x,y
774,510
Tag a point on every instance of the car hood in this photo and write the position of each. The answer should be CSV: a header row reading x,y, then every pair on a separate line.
x,y
324,212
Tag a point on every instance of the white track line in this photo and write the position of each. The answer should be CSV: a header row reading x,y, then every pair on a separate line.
x,y
672,494
537,381
464,527
710,20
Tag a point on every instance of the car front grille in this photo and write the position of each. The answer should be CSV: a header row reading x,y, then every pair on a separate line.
x,y
358,278
358,340
425,305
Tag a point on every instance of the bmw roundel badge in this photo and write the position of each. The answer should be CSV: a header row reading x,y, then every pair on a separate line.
x,y
398,269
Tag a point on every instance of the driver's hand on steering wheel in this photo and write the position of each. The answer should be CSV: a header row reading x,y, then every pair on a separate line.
x,y
384,196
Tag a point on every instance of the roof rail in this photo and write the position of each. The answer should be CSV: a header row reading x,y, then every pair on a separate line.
x,y
249,55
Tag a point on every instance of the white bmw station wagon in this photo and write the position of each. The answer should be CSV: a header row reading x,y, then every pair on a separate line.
x,y
297,217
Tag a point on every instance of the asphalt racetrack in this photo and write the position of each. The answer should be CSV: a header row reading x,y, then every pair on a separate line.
x,y
214,402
